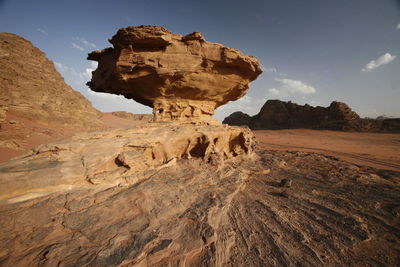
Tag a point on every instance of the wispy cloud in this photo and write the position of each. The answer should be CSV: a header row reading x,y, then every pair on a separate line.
x,y
382,60
79,78
104,95
398,26
271,70
42,31
87,74
81,43
289,87
60,67
248,104
88,44
77,46
273,91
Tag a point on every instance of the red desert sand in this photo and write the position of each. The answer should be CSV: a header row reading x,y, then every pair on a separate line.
x,y
377,150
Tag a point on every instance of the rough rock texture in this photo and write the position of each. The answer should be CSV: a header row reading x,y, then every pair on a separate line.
x,y
36,106
180,77
116,156
31,87
276,114
89,202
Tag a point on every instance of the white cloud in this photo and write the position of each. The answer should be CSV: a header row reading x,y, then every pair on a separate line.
x,y
105,95
273,91
290,87
272,70
296,86
82,43
373,64
42,31
398,26
315,103
87,43
87,74
77,46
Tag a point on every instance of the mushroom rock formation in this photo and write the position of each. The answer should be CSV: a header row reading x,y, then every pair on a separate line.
x,y
180,77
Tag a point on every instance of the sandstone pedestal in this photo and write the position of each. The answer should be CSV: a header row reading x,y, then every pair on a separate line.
x,y
180,77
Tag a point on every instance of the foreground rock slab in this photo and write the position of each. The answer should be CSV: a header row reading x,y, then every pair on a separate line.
x,y
180,77
119,156
196,212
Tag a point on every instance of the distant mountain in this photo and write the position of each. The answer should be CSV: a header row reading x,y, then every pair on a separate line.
x,y
276,114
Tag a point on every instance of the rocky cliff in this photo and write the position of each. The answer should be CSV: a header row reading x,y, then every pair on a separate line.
x,y
276,114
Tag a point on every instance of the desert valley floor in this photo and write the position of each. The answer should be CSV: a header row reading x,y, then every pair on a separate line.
x,y
378,150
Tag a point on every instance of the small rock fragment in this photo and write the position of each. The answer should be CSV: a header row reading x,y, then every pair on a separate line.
x,y
286,183
285,194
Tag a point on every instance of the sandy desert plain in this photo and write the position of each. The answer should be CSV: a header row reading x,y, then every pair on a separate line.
x,y
377,150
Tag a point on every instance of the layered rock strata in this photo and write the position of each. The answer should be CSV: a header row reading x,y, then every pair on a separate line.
x,y
180,77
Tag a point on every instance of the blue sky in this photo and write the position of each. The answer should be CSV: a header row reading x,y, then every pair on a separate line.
x,y
312,51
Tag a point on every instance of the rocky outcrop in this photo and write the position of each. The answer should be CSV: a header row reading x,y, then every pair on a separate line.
x,y
238,118
91,201
31,87
117,156
276,114
180,77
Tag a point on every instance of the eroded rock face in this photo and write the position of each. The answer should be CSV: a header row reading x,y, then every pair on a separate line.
x,y
36,105
193,213
180,77
120,156
276,114
31,87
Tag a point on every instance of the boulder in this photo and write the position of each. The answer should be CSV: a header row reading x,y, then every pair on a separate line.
x,y
180,77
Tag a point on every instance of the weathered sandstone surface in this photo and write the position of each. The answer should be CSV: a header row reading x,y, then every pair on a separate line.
x,y
276,114
180,77
37,106
31,87
118,156
102,199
